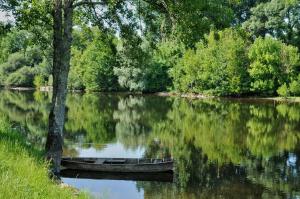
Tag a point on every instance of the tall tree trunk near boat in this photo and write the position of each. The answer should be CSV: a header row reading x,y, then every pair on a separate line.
x,y
62,40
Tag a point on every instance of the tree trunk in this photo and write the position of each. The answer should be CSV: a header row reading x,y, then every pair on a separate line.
x,y
62,39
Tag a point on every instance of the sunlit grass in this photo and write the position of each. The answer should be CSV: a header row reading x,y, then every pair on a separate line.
x,y
23,172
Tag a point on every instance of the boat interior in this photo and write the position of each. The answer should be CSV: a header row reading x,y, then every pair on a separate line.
x,y
117,160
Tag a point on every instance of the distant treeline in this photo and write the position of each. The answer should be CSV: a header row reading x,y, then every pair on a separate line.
x,y
225,48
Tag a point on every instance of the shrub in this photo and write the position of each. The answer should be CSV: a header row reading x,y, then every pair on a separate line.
x,y
16,71
217,66
15,41
283,90
93,67
22,77
14,62
164,58
131,78
295,87
34,56
38,81
273,63
133,61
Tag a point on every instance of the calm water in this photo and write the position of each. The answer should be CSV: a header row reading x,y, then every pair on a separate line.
x,y
223,149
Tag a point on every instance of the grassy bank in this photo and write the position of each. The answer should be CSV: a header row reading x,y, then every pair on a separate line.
x,y
23,172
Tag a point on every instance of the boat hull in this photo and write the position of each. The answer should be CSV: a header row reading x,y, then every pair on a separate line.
x,y
89,165
157,177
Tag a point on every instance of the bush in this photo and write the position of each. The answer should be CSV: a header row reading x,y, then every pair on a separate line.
x,y
165,57
133,60
131,78
14,62
34,56
283,90
218,65
295,87
38,81
22,77
17,71
15,41
92,67
273,63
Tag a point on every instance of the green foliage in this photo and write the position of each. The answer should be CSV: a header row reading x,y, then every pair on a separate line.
x,y
142,68
190,30
30,180
18,55
295,87
217,66
272,64
164,58
188,21
242,9
133,61
38,81
15,62
131,78
160,46
14,41
279,18
283,90
21,77
20,68
93,66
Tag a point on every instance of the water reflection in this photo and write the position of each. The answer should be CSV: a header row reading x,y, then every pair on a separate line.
x,y
223,148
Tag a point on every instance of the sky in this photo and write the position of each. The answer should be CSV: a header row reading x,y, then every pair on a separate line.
x,y
4,17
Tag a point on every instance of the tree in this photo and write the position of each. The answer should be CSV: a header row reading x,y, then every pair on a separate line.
x,y
187,20
115,15
278,18
218,65
272,63
93,61
62,39
242,10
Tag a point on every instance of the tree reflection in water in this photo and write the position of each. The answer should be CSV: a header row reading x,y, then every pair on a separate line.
x,y
223,148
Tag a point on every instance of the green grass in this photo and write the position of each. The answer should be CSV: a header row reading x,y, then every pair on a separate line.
x,y
23,172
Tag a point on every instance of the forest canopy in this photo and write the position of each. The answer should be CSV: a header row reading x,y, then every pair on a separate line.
x,y
226,48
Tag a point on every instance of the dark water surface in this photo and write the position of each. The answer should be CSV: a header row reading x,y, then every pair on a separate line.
x,y
223,148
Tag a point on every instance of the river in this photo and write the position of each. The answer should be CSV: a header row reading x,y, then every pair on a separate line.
x,y
223,148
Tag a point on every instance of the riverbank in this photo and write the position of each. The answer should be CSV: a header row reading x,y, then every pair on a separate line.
x,y
23,172
248,98
176,94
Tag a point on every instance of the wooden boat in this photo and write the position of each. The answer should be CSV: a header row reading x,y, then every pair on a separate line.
x,y
95,175
121,165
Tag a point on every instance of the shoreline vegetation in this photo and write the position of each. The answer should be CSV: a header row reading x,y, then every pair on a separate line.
x,y
23,170
238,48
291,99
